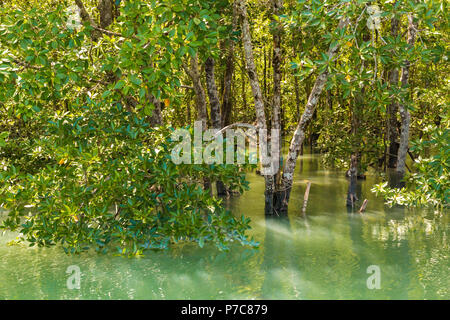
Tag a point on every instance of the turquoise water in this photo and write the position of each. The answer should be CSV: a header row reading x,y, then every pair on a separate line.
x,y
324,254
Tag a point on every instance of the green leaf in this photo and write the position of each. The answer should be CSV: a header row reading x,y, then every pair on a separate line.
x,y
119,85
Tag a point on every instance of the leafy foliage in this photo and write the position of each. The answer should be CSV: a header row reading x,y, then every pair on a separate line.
x,y
429,184
80,164
113,183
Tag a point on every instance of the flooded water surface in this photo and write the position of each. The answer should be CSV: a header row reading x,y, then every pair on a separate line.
x,y
327,253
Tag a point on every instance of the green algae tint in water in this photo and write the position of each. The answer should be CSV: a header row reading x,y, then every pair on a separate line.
x,y
322,255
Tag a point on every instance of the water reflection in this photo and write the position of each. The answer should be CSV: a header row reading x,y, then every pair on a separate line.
x,y
278,266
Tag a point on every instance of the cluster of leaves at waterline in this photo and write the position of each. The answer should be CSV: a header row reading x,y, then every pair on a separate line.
x,y
429,185
112,184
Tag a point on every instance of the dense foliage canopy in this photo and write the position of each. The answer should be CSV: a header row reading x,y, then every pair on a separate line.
x,y
91,90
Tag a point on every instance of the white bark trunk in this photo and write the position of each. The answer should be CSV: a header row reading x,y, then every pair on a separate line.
x,y
212,94
200,97
404,113
299,134
229,70
277,6
259,105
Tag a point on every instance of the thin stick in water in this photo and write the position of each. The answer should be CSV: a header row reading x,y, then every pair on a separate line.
x,y
363,207
305,198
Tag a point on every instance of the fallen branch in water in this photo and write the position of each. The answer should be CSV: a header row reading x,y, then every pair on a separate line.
x,y
363,207
305,198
